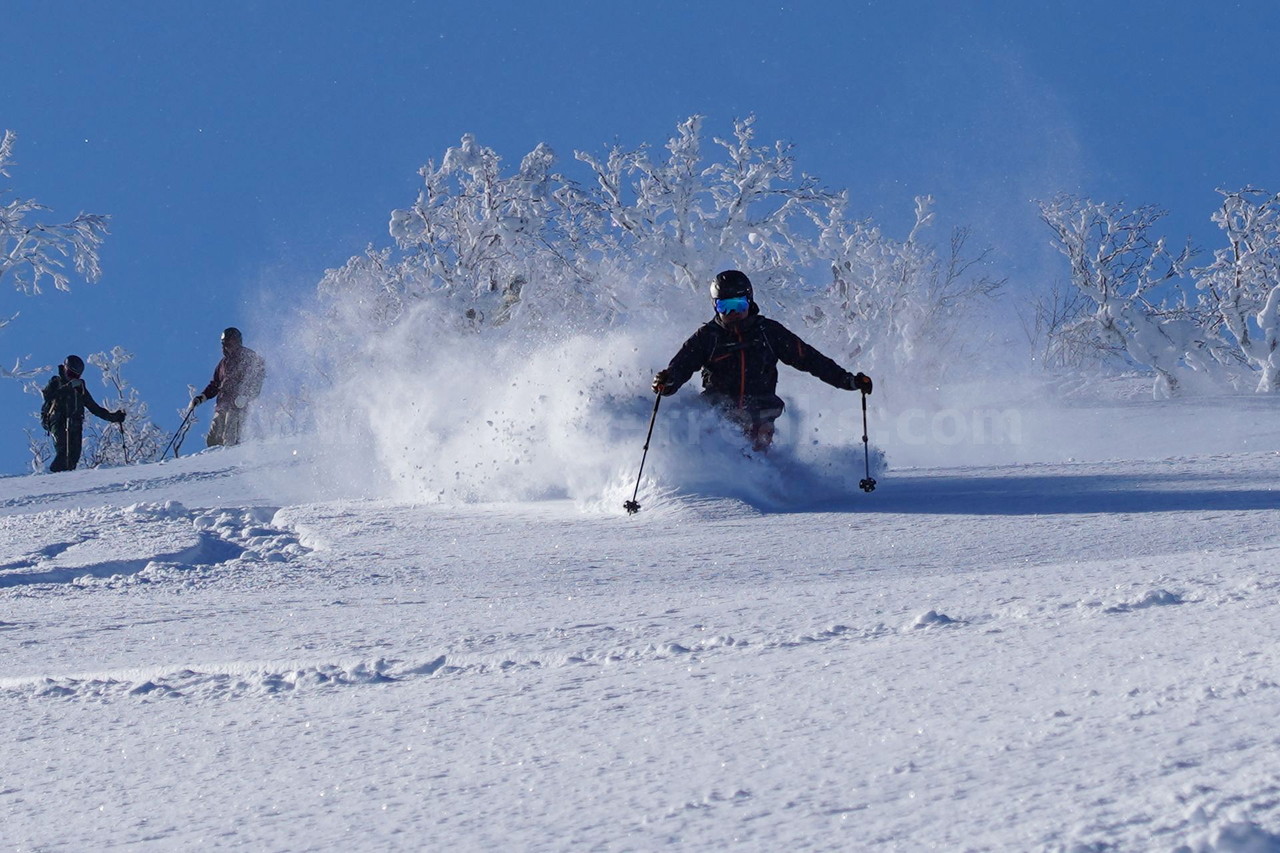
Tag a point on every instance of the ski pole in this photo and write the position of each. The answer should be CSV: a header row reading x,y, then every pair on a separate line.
x,y
631,506
191,410
124,442
868,484
182,436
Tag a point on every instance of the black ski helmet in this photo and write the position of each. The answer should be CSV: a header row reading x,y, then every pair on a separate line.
x,y
232,335
730,284
74,365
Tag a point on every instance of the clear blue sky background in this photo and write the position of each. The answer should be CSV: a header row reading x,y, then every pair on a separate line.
x,y
243,148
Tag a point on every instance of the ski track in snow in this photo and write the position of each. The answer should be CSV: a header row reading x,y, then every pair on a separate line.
x,y
1067,657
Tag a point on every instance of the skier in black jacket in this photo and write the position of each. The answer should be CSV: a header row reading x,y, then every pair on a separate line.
x,y
738,353
62,416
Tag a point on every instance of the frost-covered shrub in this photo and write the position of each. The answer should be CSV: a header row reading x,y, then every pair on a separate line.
x,y
1210,327
1136,290
136,440
902,303
1241,288
636,240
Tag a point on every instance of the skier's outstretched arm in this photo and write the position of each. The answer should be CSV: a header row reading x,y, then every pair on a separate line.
x,y
106,414
692,356
793,351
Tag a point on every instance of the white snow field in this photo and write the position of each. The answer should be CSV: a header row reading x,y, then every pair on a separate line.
x,y
1069,642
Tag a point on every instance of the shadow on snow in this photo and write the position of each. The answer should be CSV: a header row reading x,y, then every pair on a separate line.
x,y
1048,494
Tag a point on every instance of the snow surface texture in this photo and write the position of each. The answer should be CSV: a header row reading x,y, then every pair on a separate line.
x,y
1056,649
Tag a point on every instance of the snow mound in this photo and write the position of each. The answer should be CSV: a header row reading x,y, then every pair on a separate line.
x,y
1150,598
1239,837
159,511
933,619
148,543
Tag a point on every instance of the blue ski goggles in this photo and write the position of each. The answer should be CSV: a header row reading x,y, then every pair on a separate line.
x,y
738,305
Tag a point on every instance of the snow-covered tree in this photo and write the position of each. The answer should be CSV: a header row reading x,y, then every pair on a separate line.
x,y
136,440
479,238
902,304
683,219
1056,331
1132,279
1218,324
35,253
641,235
1242,285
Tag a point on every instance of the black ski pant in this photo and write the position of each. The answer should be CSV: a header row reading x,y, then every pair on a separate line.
x,y
754,415
67,436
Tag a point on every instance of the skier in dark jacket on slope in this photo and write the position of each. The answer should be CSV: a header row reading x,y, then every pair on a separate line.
x,y
62,415
738,353
237,381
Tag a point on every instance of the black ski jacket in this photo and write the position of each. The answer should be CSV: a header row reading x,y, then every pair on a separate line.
x,y
739,362
65,399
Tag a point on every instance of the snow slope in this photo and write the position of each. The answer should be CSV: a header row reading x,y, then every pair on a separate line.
x,y
1056,649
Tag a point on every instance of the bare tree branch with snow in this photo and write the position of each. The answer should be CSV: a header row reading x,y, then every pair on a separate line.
x,y
33,253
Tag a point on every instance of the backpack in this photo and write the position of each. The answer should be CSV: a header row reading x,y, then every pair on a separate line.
x,y
46,416
49,411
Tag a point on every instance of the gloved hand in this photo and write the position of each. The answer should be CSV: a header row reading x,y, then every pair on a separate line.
x,y
197,400
117,417
241,402
859,382
662,384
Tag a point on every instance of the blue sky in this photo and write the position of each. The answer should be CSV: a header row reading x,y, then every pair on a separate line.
x,y
243,148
